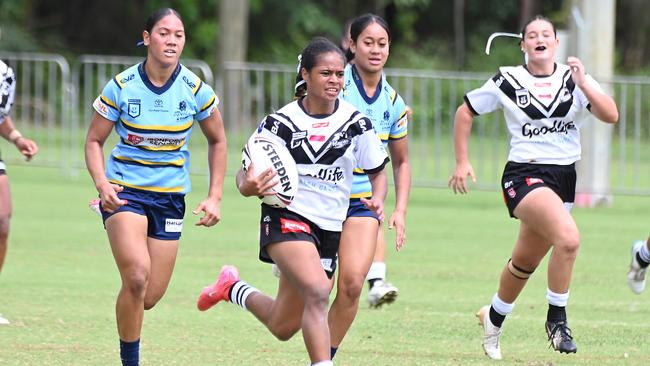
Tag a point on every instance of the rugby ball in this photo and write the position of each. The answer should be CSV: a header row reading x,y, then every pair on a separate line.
x,y
264,153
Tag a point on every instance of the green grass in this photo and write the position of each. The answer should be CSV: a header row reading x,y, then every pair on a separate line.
x,y
59,284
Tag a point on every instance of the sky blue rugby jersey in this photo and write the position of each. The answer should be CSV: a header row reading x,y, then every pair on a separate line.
x,y
387,111
154,125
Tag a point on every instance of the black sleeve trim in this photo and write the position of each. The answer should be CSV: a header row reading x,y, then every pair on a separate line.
x,y
379,168
469,105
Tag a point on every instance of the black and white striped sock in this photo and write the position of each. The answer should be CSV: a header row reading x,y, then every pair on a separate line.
x,y
240,291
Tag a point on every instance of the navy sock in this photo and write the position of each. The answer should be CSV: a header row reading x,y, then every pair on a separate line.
x,y
496,318
130,353
556,313
333,352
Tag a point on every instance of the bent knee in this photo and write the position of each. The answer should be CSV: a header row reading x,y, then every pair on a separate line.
x,y
569,243
135,283
317,296
350,290
284,333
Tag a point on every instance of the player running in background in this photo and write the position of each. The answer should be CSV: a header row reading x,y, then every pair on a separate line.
x,y
152,106
27,148
639,265
539,179
362,250
326,136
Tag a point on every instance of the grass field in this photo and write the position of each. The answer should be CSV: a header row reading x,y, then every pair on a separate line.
x,y
59,284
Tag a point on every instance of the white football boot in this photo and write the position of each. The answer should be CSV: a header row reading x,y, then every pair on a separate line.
x,y
491,334
636,274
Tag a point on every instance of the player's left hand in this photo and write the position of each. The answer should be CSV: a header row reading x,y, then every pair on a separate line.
x,y
26,147
212,212
375,205
577,70
398,221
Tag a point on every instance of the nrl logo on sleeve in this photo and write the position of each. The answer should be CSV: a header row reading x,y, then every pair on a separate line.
x,y
134,108
523,98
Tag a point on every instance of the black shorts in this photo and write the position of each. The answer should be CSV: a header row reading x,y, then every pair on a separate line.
x,y
519,179
280,224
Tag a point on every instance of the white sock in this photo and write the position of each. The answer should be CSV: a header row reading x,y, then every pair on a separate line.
x,y
240,292
323,363
377,271
556,299
501,306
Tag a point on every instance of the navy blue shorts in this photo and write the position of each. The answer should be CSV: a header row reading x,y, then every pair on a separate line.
x,y
164,211
280,224
358,209
519,179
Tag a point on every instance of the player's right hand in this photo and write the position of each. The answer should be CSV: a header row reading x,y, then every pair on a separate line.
x,y
109,199
260,185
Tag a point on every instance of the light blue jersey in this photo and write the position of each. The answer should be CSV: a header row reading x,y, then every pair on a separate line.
x,y
386,110
154,125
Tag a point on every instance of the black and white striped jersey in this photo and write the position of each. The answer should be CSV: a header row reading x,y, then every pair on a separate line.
x,y
326,149
540,112
7,88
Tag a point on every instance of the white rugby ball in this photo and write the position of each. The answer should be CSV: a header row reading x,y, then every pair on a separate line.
x,y
265,154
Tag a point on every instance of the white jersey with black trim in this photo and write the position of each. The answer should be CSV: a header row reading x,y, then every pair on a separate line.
x,y
540,112
326,149
7,89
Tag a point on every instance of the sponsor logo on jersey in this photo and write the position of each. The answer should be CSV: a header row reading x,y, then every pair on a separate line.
x,y
134,139
320,124
127,79
158,103
558,127
329,175
317,138
543,85
341,140
522,98
133,108
173,225
292,226
544,96
531,181
189,83
153,141
565,95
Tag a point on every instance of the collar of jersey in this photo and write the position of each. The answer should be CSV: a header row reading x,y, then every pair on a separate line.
x,y
158,89
359,83
318,116
541,76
